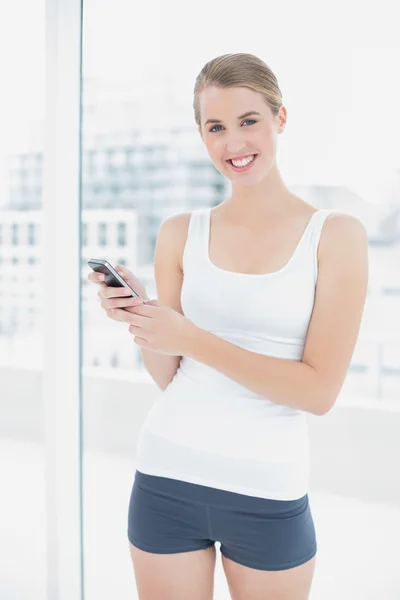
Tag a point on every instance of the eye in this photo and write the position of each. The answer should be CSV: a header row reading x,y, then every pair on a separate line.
x,y
247,121
214,128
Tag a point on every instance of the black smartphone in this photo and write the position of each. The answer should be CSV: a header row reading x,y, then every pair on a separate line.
x,y
113,278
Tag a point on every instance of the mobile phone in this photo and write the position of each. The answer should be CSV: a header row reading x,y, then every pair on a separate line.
x,y
113,278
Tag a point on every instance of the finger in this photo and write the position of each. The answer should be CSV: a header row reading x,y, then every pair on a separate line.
x,y
95,277
134,308
135,329
107,291
110,314
137,333
120,269
125,316
113,314
109,303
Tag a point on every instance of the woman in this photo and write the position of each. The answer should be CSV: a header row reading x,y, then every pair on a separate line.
x,y
259,306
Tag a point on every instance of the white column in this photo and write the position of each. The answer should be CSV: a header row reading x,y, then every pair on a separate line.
x,y
61,269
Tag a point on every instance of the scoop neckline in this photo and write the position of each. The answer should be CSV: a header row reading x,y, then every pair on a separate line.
x,y
254,275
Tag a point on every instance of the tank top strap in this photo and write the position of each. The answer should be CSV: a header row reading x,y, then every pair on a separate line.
x,y
315,231
196,240
317,222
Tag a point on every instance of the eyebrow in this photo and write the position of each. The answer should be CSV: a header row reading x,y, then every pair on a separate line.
x,y
247,114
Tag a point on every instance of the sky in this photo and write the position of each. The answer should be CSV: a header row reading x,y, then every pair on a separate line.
x,y
335,64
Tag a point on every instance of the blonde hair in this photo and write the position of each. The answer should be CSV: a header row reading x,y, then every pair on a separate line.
x,y
233,70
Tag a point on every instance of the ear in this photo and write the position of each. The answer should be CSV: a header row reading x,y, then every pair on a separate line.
x,y
282,118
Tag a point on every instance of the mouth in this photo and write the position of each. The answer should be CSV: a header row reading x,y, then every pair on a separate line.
x,y
247,163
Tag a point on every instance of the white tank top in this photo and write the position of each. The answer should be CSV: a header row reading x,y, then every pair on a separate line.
x,y
207,429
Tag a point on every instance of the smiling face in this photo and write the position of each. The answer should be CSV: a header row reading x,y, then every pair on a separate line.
x,y
237,123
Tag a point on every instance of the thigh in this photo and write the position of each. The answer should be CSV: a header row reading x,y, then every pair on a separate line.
x,y
163,521
172,556
177,576
270,535
268,546
289,584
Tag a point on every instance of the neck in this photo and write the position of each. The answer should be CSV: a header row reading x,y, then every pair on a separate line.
x,y
270,198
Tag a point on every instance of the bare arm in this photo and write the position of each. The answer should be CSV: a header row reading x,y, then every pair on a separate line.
x,y
312,384
168,275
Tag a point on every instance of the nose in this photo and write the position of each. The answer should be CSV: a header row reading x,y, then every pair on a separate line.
x,y
235,145
237,149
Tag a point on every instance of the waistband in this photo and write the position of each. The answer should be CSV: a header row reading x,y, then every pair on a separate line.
x,y
168,487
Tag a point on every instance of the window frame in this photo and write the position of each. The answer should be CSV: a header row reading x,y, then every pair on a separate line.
x,y
62,331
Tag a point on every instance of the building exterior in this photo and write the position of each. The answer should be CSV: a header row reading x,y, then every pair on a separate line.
x,y
135,173
131,181
106,233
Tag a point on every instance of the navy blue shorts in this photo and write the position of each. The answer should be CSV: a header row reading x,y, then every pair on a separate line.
x,y
168,516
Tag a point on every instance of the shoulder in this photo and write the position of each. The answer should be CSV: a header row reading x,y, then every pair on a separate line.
x,y
342,222
174,229
342,234
176,222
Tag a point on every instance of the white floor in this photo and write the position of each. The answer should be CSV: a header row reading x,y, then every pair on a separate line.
x,y
358,556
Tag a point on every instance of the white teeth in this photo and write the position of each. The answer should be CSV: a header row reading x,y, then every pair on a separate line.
x,y
244,162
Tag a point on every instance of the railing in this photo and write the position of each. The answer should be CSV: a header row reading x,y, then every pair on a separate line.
x,y
355,448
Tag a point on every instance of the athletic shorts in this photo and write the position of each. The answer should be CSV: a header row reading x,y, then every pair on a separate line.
x,y
167,516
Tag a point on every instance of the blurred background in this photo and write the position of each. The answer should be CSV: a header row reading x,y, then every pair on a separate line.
x,y
141,159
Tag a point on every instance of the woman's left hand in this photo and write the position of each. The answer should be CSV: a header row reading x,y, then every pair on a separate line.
x,y
159,328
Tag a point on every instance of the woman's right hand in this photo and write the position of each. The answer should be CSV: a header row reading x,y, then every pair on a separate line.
x,y
115,297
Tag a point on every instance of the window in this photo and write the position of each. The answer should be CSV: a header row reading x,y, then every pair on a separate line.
x,y
14,234
121,234
31,234
84,234
102,233
138,128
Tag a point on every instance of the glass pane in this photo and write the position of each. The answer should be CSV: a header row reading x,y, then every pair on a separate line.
x,y
142,161
22,514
